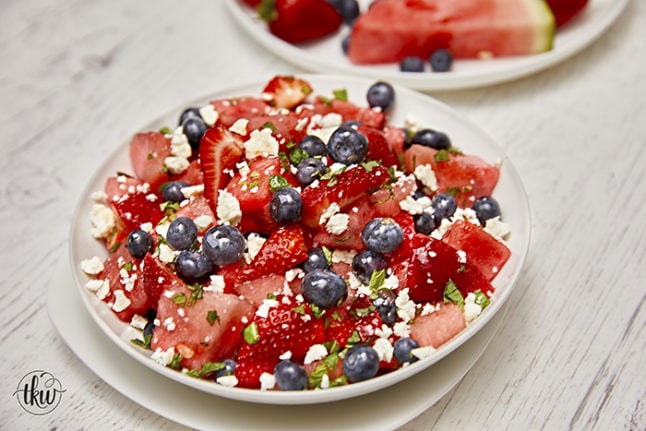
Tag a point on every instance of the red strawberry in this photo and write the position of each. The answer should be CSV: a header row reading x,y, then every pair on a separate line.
x,y
137,207
286,91
344,189
288,327
378,146
297,21
354,318
284,249
220,150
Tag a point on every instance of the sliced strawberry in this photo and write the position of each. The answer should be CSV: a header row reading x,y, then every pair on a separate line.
x,y
286,91
220,150
432,264
287,327
482,250
283,250
297,21
344,189
355,317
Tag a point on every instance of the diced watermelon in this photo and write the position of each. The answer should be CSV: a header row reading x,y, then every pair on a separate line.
x,y
484,251
378,146
432,264
465,176
186,324
391,30
348,111
136,208
438,327
233,109
148,152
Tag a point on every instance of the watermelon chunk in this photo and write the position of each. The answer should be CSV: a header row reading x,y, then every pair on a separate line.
x,y
393,29
438,327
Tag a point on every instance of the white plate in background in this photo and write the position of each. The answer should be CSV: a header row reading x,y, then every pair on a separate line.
x,y
326,56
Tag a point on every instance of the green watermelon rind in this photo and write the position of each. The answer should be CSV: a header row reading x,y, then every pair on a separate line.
x,y
544,25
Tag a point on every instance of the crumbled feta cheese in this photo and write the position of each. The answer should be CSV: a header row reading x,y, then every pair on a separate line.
x,y
401,329
425,174
423,352
179,145
405,306
228,209
167,254
337,224
497,228
163,357
190,191
138,322
240,126
121,301
169,323
267,381
99,196
127,280
101,288
103,220
462,256
343,256
391,282
216,285
203,221
329,212
243,168
325,381
416,206
228,381
261,143
315,352
254,244
285,356
176,165
471,309
209,114
263,309
384,349
92,266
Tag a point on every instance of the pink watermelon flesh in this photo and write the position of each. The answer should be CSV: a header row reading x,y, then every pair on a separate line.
x,y
438,327
393,29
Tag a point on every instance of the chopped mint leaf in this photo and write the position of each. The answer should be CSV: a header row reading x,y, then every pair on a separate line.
x,y
328,255
212,316
377,280
211,367
145,343
370,165
340,94
166,130
481,299
452,294
277,182
250,333
268,125
442,156
297,155
179,299
174,363
354,338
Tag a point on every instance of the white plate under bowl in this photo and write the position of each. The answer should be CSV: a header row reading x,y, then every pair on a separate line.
x,y
326,55
428,111
199,410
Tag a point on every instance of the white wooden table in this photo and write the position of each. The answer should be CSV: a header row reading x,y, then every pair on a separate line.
x,y
76,78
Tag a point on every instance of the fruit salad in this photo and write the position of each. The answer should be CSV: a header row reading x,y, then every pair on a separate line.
x,y
296,241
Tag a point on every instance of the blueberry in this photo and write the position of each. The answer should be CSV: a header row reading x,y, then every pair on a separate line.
x,y
173,191
290,376
424,223
139,243
348,9
444,206
228,369
403,350
187,113
485,208
347,146
385,304
365,263
323,288
309,170
360,363
441,60
182,233
316,259
411,64
381,94
285,205
313,145
192,265
194,128
223,244
431,138
382,235
345,43
149,328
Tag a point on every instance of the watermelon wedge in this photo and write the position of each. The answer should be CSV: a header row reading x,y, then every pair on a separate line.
x,y
393,29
